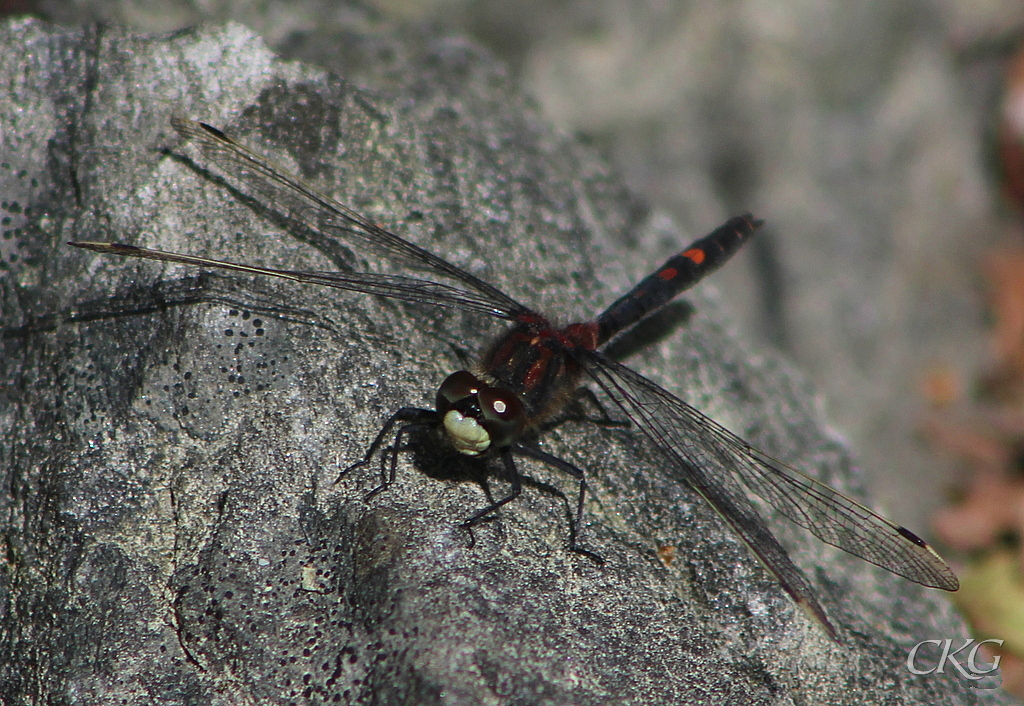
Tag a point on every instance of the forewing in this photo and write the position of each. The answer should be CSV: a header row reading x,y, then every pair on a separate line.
x,y
287,194
719,464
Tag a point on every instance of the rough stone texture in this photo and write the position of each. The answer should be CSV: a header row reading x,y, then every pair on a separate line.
x,y
855,129
171,529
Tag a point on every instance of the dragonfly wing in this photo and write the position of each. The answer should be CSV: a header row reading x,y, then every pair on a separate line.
x,y
287,194
410,289
627,389
709,456
394,286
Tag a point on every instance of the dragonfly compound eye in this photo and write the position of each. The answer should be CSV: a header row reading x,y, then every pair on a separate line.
x,y
477,416
504,415
455,388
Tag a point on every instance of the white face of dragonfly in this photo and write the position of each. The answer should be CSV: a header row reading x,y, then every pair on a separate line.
x,y
478,417
466,434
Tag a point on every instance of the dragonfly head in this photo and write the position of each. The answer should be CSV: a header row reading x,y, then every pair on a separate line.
x,y
478,417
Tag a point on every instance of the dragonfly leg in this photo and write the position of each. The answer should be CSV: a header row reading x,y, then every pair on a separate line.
x,y
576,524
409,418
389,457
604,419
517,489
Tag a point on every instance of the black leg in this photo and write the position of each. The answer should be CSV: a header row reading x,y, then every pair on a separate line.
x,y
409,417
585,394
577,473
388,468
517,488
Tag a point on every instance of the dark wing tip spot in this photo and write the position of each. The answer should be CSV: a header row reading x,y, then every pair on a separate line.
x,y
911,536
213,131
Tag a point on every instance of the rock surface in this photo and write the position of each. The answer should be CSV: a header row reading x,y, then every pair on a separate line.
x,y
172,530
855,129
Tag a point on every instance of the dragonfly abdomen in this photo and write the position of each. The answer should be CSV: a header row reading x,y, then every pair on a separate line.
x,y
679,272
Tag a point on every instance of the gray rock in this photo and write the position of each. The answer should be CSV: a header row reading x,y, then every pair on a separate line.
x,y
854,129
170,441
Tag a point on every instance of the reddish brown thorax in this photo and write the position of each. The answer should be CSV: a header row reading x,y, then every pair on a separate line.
x,y
532,360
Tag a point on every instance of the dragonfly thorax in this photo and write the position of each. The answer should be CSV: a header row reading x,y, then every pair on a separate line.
x,y
534,360
478,417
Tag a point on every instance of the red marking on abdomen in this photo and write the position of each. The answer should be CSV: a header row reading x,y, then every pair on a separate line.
x,y
583,335
695,254
669,273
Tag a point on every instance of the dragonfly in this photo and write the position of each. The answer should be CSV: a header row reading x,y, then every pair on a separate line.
x,y
528,374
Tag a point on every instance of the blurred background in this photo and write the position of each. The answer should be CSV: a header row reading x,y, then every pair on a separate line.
x,y
881,141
